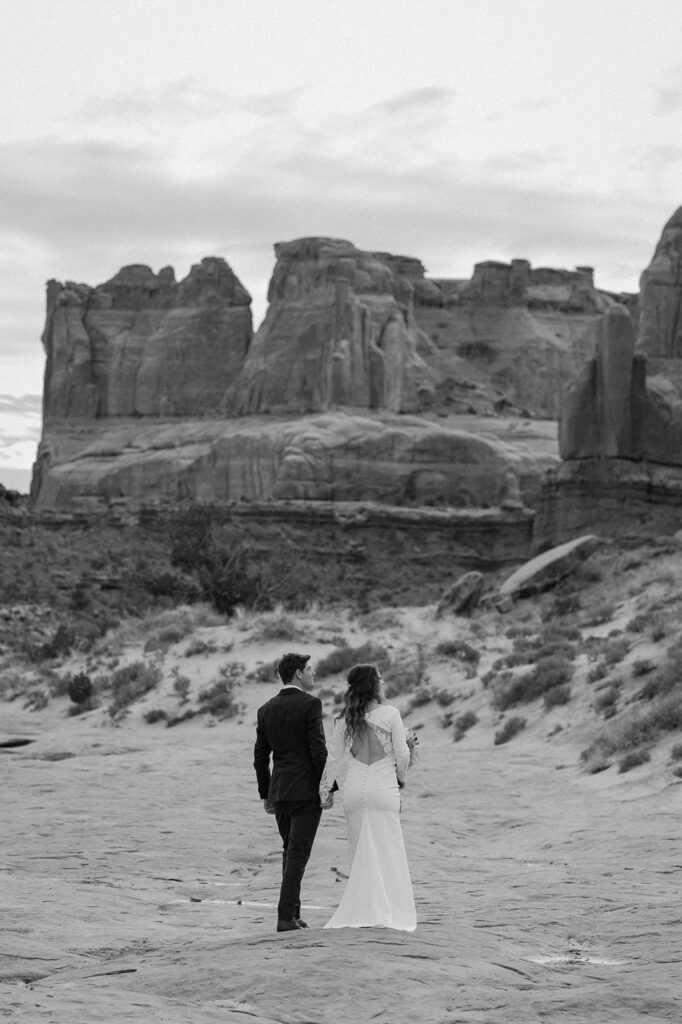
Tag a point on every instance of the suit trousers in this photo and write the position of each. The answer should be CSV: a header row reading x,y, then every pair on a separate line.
x,y
297,821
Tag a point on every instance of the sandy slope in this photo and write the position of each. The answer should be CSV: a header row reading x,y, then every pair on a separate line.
x,y
139,876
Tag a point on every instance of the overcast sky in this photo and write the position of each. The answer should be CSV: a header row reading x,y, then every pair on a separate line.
x,y
160,132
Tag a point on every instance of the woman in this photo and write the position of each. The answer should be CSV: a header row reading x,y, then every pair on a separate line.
x,y
369,734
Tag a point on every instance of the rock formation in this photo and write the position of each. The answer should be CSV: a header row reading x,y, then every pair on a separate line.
x,y
143,344
660,332
331,457
157,389
620,441
612,411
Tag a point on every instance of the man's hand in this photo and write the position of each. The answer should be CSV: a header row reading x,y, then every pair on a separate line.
x,y
269,806
329,802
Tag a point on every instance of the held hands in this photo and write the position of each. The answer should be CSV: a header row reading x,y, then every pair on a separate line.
x,y
269,806
329,802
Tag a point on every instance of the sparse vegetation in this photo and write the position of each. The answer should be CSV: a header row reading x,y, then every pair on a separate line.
x,y
463,723
131,682
343,658
633,760
549,672
511,728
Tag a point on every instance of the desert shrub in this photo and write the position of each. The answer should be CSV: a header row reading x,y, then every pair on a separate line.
x,y
60,644
459,649
218,698
420,697
277,626
405,671
343,658
557,696
640,622
633,760
597,672
265,673
660,683
606,702
36,700
131,682
382,618
155,715
443,697
546,674
615,649
511,728
463,723
181,685
230,571
639,728
566,602
599,613
198,646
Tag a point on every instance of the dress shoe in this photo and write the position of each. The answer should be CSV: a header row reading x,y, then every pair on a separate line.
x,y
300,922
288,926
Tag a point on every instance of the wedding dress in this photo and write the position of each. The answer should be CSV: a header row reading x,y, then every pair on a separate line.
x,y
379,889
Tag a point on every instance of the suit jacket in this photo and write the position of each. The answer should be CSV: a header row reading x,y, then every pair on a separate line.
x,y
290,728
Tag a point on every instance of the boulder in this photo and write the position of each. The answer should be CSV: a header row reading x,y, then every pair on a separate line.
x,y
463,596
546,570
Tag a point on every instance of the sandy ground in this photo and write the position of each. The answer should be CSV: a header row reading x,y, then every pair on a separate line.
x,y
139,877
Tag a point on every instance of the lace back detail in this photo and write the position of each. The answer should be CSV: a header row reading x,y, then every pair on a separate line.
x,y
383,735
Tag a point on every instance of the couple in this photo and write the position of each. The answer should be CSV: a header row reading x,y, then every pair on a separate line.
x,y
370,741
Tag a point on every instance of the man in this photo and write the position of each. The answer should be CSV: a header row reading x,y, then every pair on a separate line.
x,y
290,728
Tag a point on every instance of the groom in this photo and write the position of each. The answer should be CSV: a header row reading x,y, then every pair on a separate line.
x,y
290,728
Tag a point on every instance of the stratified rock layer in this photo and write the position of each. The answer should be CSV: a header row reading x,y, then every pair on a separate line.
x,y
325,458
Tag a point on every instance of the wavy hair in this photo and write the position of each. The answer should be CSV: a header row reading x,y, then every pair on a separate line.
x,y
362,690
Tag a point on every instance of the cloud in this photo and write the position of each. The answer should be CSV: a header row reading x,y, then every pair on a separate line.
x,y
245,173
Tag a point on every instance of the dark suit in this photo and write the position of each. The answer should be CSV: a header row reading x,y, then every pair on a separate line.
x,y
290,728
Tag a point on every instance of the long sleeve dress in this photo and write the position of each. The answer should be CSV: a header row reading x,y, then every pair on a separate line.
x,y
379,888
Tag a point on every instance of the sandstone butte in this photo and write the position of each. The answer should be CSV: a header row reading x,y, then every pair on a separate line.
x,y
366,381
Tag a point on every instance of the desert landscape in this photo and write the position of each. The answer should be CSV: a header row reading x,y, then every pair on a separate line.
x,y
473,484
140,874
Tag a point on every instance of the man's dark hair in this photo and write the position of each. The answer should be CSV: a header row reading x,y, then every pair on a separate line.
x,y
290,664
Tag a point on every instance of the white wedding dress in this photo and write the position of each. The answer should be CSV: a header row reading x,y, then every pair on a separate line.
x,y
379,888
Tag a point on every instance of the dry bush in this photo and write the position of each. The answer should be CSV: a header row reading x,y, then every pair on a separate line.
x,y
276,626
548,673
343,658
511,728
556,697
463,723
129,683
198,646
633,760
218,697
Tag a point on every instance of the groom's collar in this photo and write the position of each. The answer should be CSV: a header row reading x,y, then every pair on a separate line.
x,y
293,686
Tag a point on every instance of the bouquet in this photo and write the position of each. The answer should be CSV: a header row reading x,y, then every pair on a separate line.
x,y
412,741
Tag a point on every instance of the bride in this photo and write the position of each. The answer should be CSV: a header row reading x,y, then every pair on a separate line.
x,y
370,737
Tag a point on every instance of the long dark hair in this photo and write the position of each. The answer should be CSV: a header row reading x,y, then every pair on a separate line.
x,y
362,690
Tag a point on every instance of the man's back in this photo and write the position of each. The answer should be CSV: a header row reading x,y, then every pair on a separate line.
x,y
290,728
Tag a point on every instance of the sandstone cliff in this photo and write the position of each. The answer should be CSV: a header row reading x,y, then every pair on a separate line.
x,y
660,333
620,441
143,344
157,389
333,457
